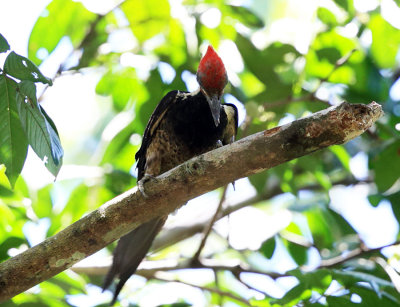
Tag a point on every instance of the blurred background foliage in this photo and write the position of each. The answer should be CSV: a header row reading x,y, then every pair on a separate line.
x,y
309,232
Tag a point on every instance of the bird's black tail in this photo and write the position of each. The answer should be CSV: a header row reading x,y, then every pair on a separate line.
x,y
130,251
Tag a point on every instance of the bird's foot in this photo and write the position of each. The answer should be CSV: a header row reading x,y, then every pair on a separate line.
x,y
219,144
146,178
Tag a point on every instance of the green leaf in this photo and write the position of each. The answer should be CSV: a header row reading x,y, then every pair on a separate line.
x,y
268,247
76,206
120,151
330,54
342,154
270,73
123,85
82,199
323,179
176,305
158,90
5,192
4,46
49,120
28,89
327,17
298,252
10,242
251,87
369,83
69,283
385,41
245,15
174,52
395,201
317,280
33,304
51,291
24,69
342,224
326,49
375,199
13,143
294,295
347,5
370,298
259,181
386,173
60,18
41,134
349,278
340,301
320,223
145,21
97,37
118,181
43,205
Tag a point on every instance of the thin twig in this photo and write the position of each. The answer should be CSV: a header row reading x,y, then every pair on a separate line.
x,y
207,230
296,239
239,278
361,251
217,284
236,270
343,60
214,290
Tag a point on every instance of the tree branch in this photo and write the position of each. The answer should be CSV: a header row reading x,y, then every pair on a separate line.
x,y
236,270
199,175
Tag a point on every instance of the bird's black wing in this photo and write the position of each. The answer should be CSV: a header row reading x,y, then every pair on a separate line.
x,y
155,119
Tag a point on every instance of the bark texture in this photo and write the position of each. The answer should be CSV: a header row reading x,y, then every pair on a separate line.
x,y
253,154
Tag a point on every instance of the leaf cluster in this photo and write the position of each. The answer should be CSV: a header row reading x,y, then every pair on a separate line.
x,y
23,120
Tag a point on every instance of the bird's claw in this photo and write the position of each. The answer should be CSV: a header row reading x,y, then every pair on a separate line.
x,y
141,182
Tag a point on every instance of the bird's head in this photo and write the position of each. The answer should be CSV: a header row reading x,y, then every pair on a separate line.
x,y
212,78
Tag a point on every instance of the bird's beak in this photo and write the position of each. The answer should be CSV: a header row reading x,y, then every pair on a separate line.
x,y
215,106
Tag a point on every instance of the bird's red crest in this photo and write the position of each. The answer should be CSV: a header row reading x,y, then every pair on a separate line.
x,y
211,73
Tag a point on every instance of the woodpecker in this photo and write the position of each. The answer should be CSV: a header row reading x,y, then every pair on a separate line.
x,y
183,125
